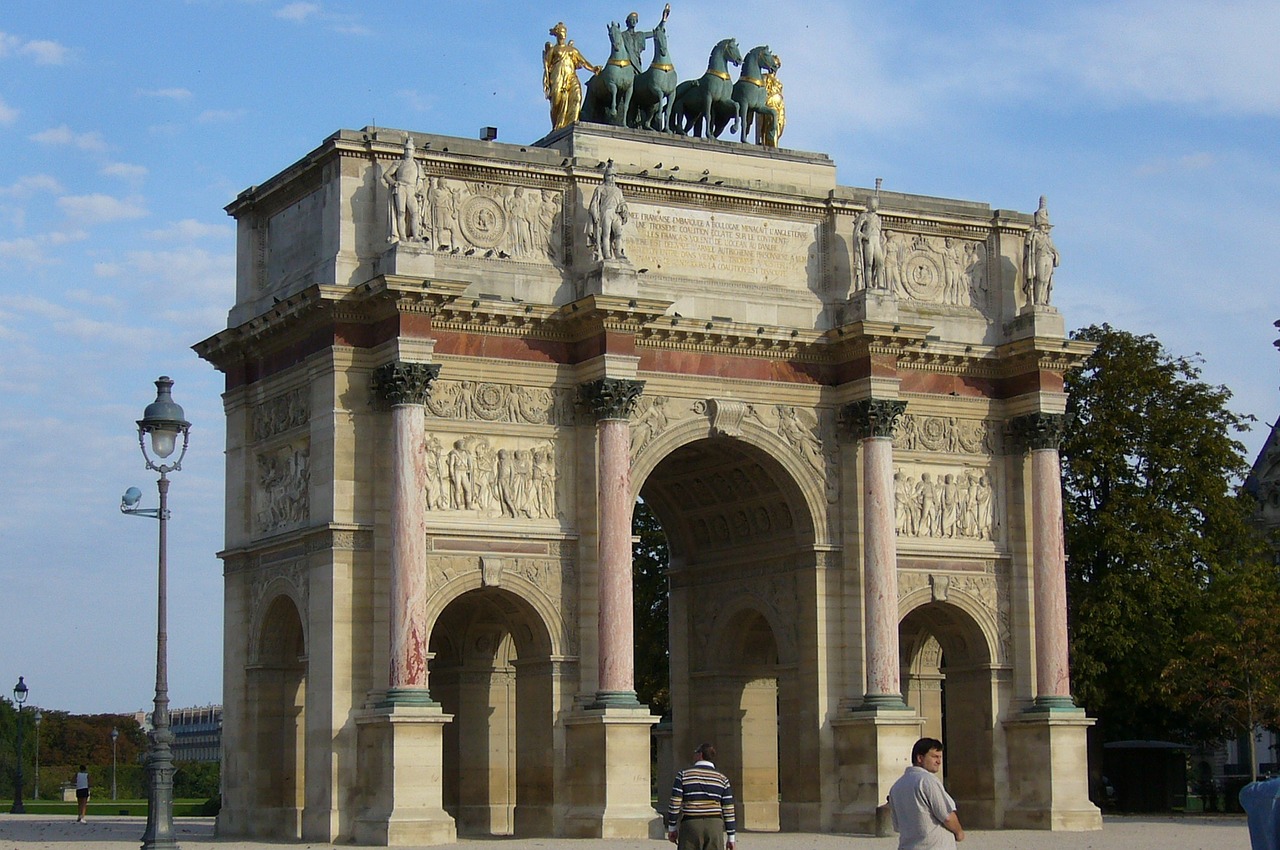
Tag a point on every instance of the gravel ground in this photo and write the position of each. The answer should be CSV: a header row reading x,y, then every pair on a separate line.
x,y
31,832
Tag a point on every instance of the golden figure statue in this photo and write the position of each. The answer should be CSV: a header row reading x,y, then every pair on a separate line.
x,y
560,64
767,133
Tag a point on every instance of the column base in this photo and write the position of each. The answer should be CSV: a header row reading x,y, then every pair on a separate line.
x,y
399,759
873,748
1051,705
408,697
616,699
1049,772
882,702
608,773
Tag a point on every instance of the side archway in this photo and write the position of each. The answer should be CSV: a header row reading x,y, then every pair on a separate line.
x,y
951,679
276,692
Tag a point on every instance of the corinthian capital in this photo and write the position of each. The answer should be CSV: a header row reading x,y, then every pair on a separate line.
x,y
404,383
873,417
610,398
1038,430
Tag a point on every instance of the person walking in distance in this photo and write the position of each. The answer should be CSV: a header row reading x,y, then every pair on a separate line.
x,y
700,815
82,792
923,812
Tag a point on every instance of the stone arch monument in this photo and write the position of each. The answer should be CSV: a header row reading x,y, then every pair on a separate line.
x,y
442,406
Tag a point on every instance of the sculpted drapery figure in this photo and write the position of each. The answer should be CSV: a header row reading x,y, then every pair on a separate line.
x,y
609,215
769,129
1041,258
405,179
560,64
868,244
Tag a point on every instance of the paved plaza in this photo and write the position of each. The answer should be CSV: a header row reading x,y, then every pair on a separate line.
x,y
1118,833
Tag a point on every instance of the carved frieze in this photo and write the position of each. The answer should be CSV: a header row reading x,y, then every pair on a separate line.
x,y
945,503
484,401
948,434
944,270
280,414
282,495
650,419
469,475
812,435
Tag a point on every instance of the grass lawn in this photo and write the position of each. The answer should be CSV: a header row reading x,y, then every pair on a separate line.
x,y
103,808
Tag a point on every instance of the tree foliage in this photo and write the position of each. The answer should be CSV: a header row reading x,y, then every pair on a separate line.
x,y
649,558
1150,471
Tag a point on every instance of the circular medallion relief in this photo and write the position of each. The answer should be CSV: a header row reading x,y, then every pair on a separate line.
x,y
483,221
922,276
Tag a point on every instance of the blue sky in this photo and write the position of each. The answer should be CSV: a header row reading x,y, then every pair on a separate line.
x,y
127,127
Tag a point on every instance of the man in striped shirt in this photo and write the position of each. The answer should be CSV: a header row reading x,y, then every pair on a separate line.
x,y
700,816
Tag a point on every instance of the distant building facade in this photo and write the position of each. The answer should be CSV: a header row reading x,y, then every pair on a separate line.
x,y
197,732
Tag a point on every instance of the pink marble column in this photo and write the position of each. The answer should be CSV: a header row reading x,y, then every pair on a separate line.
x,y
880,553
873,421
408,549
612,401
405,387
1041,433
1052,673
617,627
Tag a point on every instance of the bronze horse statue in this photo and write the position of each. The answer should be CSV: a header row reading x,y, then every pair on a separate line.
x,y
608,95
749,93
696,100
654,92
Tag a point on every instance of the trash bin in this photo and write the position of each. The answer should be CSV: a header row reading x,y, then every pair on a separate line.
x,y
1259,802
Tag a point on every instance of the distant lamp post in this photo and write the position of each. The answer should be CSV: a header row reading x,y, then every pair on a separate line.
x,y
115,733
163,423
35,787
19,697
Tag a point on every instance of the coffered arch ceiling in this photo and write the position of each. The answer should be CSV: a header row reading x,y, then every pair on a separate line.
x,y
722,498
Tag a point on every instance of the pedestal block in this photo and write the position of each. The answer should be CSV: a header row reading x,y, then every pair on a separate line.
x,y
871,305
873,748
1049,772
413,259
607,774
1034,321
400,770
611,277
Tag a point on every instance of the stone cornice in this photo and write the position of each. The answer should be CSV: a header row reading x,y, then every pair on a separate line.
x,y
1042,353
718,337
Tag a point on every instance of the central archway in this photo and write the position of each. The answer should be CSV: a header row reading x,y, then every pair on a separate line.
x,y
743,631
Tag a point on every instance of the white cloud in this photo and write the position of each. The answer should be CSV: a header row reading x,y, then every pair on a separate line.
x,y
7,113
43,52
220,116
176,93
25,187
32,251
107,269
98,208
125,170
63,135
189,230
297,11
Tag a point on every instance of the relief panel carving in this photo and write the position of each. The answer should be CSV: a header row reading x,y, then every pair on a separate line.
x,y
945,503
280,414
508,403
282,495
508,222
469,475
947,434
938,269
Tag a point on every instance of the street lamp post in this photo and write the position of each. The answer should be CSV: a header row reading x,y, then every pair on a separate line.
x,y
115,733
163,422
19,697
35,787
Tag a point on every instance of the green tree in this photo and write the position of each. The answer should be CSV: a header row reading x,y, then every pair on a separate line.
x,y
1150,473
649,558
1232,658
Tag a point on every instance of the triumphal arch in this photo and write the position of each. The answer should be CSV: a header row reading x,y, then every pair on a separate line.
x,y
453,367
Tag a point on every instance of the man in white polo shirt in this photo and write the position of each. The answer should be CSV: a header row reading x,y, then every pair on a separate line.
x,y
923,812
